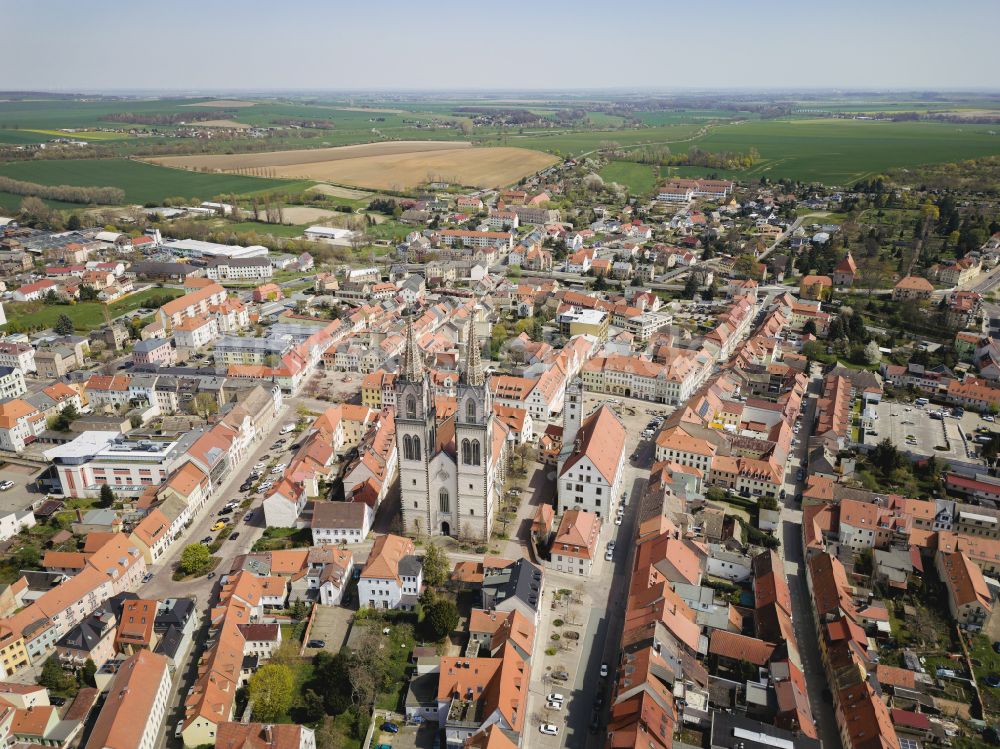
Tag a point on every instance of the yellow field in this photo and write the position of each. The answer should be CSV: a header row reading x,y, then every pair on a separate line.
x,y
390,165
83,134
222,103
221,123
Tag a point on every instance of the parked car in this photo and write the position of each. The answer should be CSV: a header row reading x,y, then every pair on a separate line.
x,y
316,644
554,705
147,577
179,730
609,555
234,536
6,484
248,517
210,575
559,675
992,681
219,525
549,729
604,669
390,727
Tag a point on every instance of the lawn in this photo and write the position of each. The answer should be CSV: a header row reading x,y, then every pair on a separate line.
x,y
142,183
86,316
640,179
290,231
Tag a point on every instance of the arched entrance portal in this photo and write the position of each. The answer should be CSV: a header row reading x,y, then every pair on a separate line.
x,y
445,529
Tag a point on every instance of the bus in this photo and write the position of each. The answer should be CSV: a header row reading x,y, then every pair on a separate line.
x,y
921,402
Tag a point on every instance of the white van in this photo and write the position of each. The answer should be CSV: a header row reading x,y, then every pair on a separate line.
x,y
287,428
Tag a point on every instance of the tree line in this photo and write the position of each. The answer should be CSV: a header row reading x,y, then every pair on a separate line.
x,y
694,156
65,193
168,118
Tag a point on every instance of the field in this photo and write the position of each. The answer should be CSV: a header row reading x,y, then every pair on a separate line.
x,y
86,316
222,123
142,183
305,157
222,104
82,134
640,179
390,165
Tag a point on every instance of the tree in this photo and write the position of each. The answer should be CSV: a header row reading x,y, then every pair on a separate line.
x,y
53,676
271,691
312,706
435,566
440,619
872,353
107,495
809,328
195,559
367,669
87,673
204,405
73,222
601,283
885,457
64,325
27,557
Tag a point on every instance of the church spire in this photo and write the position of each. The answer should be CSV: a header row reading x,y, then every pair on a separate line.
x,y
413,364
473,361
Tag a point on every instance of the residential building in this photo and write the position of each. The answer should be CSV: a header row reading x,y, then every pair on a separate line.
x,y
912,287
575,546
392,578
341,522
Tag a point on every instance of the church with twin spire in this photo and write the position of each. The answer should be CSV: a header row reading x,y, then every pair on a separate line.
x,y
452,462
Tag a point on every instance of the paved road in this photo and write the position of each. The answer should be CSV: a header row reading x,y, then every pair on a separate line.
x,y
599,614
792,555
202,589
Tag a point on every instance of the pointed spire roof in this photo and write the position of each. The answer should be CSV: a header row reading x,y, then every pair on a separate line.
x,y
473,374
413,363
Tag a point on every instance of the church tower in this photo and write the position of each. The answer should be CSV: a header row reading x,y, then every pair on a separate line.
x,y
572,413
416,426
477,483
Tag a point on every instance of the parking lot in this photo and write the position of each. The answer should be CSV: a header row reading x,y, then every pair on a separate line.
x,y
911,428
331,625
18,497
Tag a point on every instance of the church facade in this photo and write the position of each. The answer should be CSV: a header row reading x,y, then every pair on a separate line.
x,y
451,466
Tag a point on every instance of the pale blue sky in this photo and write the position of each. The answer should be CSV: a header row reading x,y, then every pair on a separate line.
x,y
86,45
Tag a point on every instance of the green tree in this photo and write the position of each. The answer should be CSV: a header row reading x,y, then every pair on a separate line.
x,y
53,676
195,559
87,673
435,566
601,283
63,326
107,495
885,457
271,690
440,619
312,706
28,557
204,405
809,328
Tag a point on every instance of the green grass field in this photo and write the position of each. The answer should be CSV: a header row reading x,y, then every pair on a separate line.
x,y
142,183
86,316
639,178
11,204
841,152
